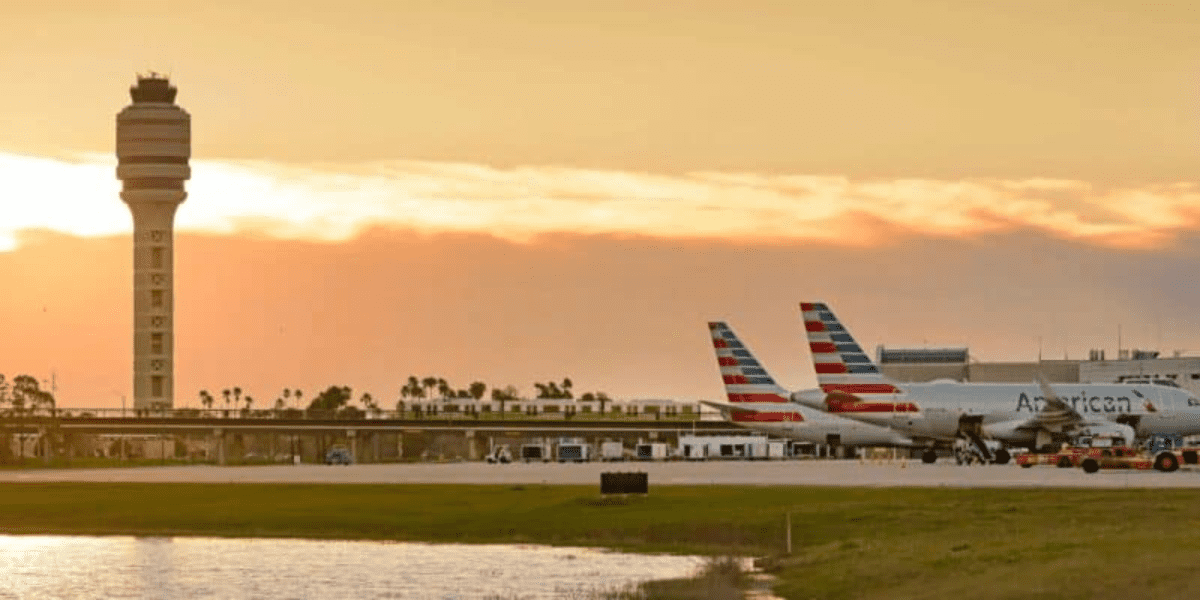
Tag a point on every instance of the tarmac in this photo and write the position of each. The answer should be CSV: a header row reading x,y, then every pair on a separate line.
x,y
782,472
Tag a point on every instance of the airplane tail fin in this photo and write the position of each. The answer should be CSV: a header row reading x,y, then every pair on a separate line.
x,y
746,381
840,363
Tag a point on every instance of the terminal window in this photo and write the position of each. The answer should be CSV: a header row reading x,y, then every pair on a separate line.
x,y
156,343
156,258
156,386
156,298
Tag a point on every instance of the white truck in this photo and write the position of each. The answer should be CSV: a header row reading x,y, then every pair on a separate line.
x,y
652,451
612,451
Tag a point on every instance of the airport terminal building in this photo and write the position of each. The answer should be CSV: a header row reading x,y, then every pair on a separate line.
x,y
929,364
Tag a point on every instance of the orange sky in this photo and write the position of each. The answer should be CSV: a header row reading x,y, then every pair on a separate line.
x,y
530,190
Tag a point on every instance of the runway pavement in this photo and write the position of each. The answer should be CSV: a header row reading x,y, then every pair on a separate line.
x,y
792,472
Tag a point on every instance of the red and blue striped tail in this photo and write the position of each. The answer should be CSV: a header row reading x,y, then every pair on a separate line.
x,y
746,380
840,363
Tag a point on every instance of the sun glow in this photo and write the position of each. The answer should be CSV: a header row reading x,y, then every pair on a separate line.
x,y
80,196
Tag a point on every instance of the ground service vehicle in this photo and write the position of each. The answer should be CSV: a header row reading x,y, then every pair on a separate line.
x,y
500,455
338,455
1093,458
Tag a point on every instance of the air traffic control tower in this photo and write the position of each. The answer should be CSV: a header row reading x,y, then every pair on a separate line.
x,y
154,141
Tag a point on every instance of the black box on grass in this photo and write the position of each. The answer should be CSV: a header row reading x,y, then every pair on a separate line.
x,y
624,483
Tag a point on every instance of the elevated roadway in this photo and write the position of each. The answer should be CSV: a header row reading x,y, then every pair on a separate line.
x,y
169,425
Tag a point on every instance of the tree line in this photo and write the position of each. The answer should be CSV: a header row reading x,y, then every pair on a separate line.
x,y
23,396
338,399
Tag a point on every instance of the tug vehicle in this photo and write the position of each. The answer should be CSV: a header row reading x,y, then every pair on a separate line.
x,y
1102,452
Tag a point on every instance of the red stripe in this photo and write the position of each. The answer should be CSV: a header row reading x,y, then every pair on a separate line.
x,y
718,343
830,367
808,306
756,397
814,326
822,347
726,361
734,378
765,417
872,407
860,388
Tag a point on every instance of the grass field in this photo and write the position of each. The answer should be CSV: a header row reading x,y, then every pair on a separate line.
x,y
847,542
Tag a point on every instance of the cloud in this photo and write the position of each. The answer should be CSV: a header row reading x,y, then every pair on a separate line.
x,y
80,196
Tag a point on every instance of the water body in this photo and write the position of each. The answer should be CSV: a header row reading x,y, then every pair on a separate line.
x,y
80,567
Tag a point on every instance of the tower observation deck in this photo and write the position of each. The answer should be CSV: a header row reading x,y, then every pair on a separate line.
x,y
153,147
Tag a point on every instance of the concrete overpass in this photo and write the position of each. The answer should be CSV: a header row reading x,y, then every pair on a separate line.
x,y
364,436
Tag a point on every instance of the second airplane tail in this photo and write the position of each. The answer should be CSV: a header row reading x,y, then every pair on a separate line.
x,y
839,361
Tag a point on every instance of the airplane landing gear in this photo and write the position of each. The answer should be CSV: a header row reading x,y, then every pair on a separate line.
x,y
929,456
1002,456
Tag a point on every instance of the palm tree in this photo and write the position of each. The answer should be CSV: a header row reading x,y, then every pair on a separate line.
x,y
444,390
602,398
368,403
249,401
226,393
237,396
298,394
206,399
566,388
279,406
429,383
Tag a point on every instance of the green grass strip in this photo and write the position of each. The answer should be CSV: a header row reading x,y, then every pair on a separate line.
x,y
847,542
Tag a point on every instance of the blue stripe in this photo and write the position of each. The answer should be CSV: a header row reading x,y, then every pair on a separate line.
x,y
753,371
841,337
855,358
834,327
748,362
861,369
820,306
760,380
849,348
734,344
742,353
827,317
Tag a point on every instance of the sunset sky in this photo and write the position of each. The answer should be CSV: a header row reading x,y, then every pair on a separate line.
x,y
522,191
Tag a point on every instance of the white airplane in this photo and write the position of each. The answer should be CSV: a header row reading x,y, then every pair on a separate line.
x,y
1033,415
756,402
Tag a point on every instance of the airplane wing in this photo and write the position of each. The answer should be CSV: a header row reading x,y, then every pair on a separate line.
x,y
1056,414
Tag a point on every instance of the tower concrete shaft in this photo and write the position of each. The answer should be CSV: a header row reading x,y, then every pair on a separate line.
x,y
153,147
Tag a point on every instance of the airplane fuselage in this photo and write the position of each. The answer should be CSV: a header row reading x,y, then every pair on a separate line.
x,y
846,432
1004,410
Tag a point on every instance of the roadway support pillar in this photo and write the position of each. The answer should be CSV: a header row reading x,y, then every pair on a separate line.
x,y
351,434
400,445
219,434
472,454
46,446
375,447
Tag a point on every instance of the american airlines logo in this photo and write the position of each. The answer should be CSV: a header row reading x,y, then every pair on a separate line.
x,y
1082,403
